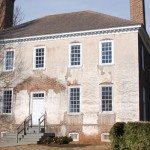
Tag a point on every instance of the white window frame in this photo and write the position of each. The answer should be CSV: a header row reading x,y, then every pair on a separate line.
x,y
74,44
100,52
69,88
34,59
100,99
4,62
11,102
76,134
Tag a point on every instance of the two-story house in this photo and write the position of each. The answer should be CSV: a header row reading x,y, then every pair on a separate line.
x,y
84,70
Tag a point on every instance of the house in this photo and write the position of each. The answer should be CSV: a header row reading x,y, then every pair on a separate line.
x,y
83,71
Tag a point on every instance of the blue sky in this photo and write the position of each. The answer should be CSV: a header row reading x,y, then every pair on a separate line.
x,y
38,8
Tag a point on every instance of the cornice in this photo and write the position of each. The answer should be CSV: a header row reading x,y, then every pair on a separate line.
x,y
72,34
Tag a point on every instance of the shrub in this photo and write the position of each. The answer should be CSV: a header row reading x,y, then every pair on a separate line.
x,y
137,136
58,140
130,136
116,135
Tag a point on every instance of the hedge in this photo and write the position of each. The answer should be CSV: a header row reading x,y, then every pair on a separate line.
x,y
130,136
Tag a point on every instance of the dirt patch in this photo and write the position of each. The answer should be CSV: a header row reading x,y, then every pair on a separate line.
x,y
60,147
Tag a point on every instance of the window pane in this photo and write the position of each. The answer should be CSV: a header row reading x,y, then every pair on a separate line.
x,y
75,55
74,100
39,58
106,52
106,98
7,101
9,60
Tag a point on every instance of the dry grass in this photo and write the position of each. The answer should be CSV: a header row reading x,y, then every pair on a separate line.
x,y
62,147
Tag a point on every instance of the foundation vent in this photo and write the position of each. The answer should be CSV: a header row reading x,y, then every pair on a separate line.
x,y
105,137
74,136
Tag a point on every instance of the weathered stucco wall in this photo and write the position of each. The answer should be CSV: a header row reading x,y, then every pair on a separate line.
x,y
123,75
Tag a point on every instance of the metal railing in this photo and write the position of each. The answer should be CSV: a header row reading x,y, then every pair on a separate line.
x,y
23,127
41,120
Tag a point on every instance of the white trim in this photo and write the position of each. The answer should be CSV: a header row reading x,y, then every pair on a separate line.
x,y
69,63
4,64
73,113
125,29
100,53
8,89
100,99
76,134
34,54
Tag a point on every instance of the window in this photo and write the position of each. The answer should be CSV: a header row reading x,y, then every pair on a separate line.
x,y
143,65
106,96
9,60
105,137
106,52
39,58
74,136
75,55
7,101
74,100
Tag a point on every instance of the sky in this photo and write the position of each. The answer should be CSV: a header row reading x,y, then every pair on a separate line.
x,y
33,9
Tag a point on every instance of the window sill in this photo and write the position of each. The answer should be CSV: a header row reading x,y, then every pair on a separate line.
x,y
112,64
107,113
74,114
75,67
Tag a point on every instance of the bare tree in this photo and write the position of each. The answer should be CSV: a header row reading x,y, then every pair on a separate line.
x,y
18,16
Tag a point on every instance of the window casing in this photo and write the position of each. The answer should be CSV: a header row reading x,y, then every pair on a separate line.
x,y
74,136
75,55
74,99
39,58
106,98
7,101
9,60
106,52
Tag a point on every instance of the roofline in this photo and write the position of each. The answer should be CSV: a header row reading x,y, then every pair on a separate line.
x,y
85,33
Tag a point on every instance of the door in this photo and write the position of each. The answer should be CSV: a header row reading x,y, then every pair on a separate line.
x,y
38,106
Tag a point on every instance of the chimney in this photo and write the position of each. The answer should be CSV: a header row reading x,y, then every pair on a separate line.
x,y
137,11
6,13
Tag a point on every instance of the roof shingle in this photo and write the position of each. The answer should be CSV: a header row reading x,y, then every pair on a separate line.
x,y
64,23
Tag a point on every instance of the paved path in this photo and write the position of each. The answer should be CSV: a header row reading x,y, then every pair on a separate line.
x,y
63,147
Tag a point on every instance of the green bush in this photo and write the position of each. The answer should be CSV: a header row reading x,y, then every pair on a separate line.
x,y
58,140
130,136
116,135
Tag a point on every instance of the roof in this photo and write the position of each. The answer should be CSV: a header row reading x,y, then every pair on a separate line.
x,y
65,23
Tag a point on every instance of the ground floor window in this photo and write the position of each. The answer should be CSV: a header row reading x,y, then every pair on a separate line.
x,y
7,101
74,99
106,98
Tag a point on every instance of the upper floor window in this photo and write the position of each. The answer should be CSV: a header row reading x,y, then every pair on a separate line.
x,y
75,55
106,52
7,101
74,100
39,58
106,98
143,59
9,60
